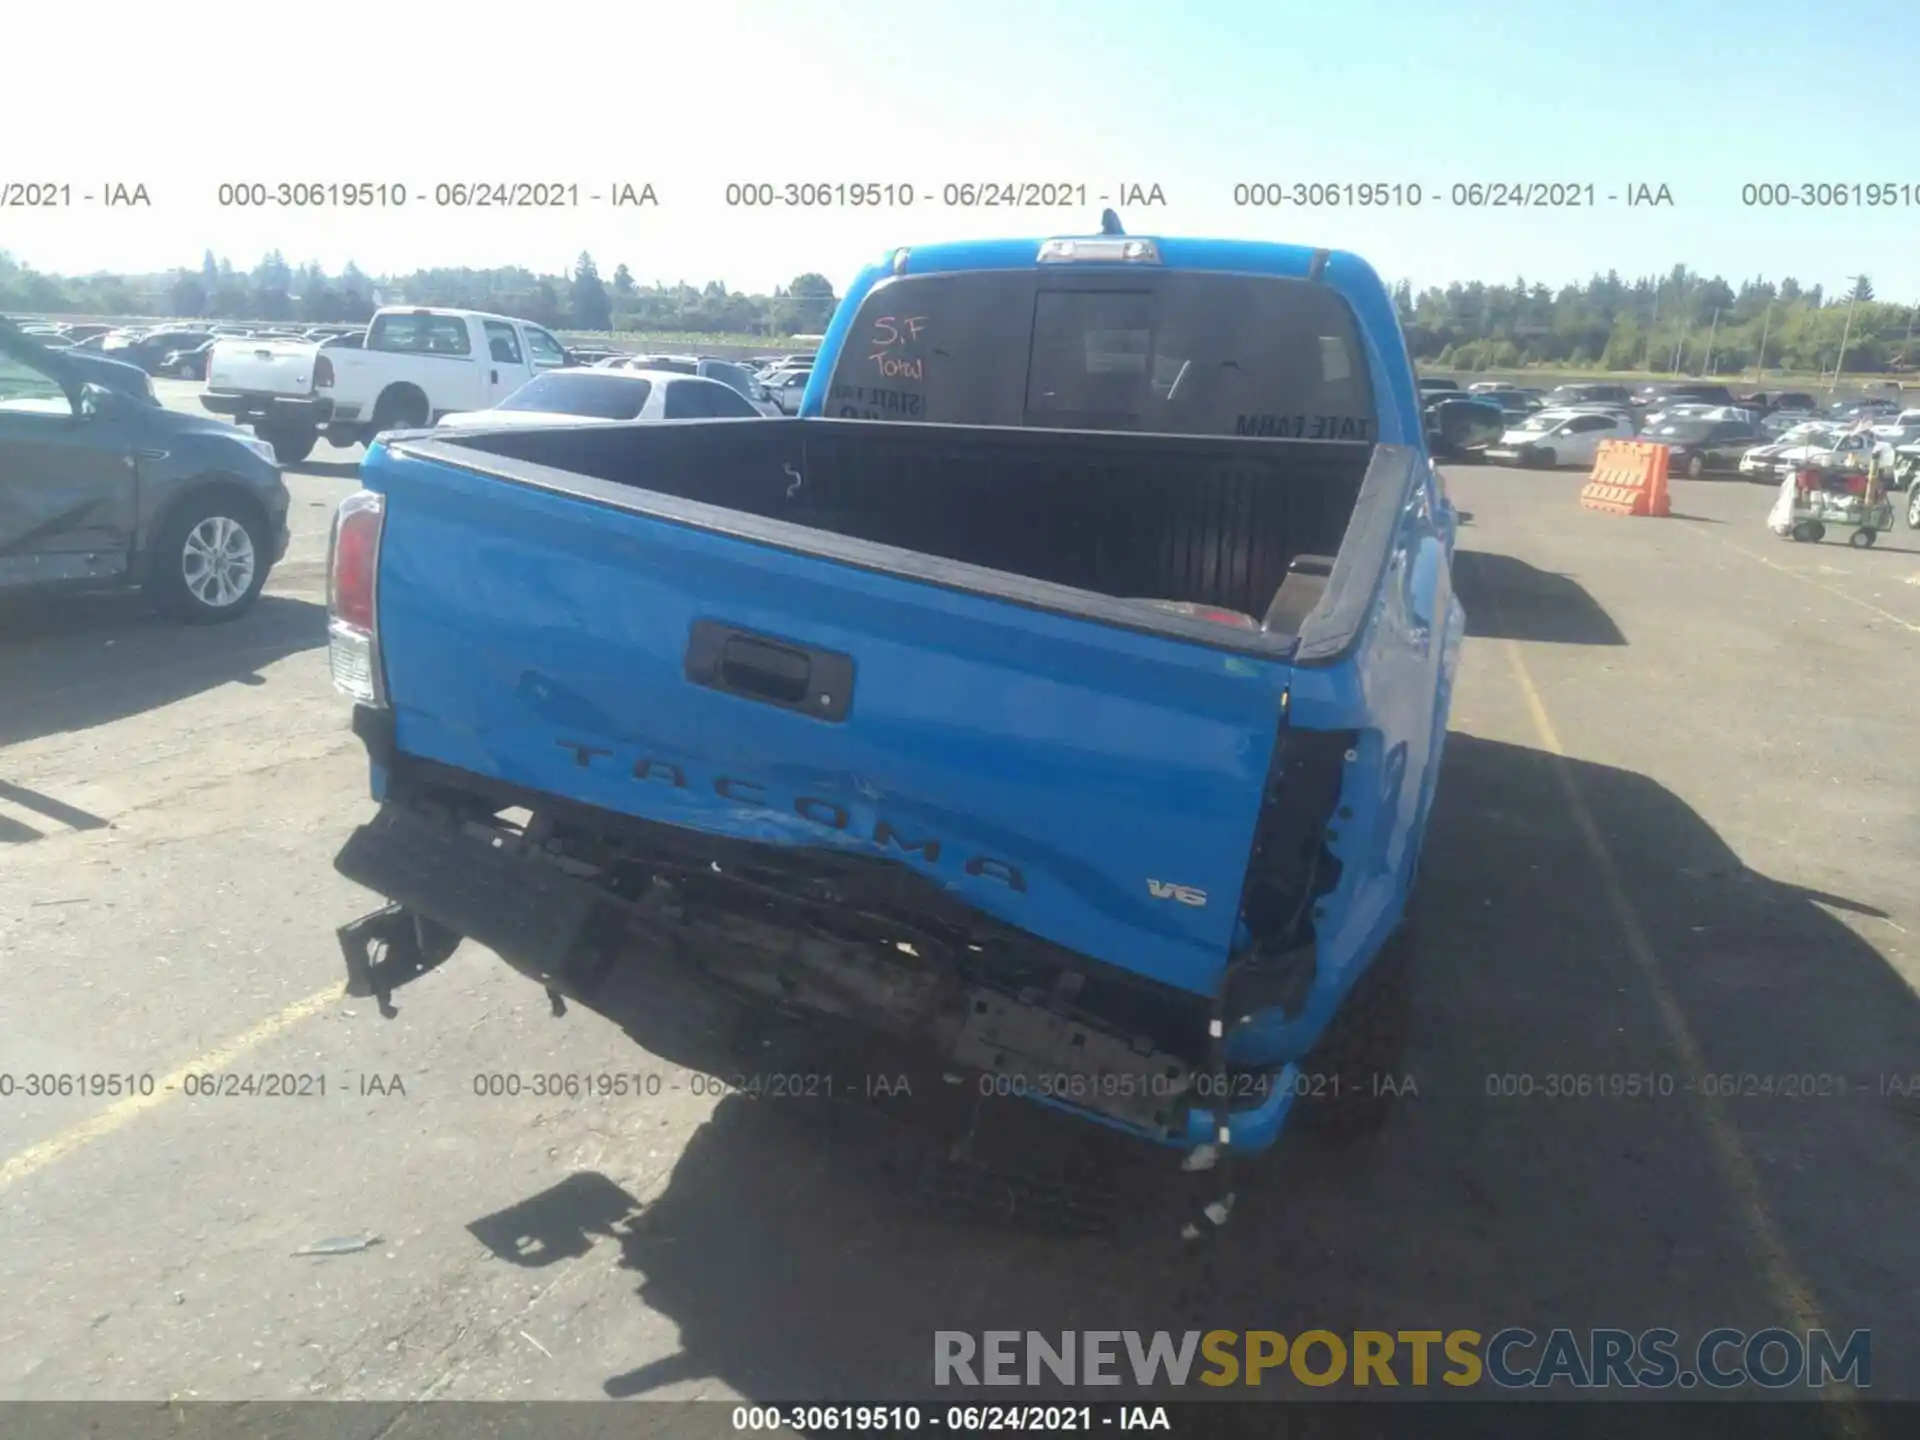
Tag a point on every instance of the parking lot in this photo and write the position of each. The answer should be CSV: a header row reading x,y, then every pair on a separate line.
x,y
1677,836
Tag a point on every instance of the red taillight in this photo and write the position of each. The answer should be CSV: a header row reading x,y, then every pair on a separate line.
x,y
355,559
322,373
353,578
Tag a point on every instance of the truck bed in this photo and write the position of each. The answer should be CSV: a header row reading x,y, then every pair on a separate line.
x,y
1209,522
264,367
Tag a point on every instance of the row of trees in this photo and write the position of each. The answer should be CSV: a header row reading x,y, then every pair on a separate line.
x,y
1681,321
277,290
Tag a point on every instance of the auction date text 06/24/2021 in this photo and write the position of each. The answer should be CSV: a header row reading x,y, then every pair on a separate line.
x,y
55,192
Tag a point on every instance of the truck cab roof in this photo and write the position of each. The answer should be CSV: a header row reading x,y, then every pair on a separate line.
x,y
1172,252
447,310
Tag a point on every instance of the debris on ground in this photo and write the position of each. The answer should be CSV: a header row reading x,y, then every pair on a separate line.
x,y
340,1245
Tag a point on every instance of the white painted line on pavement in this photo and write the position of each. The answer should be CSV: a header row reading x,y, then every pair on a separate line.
x,y
1832,590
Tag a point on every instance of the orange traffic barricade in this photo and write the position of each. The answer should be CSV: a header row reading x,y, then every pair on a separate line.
x,y
1629,478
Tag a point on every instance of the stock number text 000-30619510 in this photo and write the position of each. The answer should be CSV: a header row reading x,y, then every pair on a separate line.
x,y
444,195
1411,194
953,194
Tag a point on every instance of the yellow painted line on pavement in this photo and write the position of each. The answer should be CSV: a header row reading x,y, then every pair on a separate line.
x,y
1805,579
1790,1289
166,1087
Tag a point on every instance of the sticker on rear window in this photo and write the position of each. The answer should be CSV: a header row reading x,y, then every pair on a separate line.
x,y
866,402
1304,427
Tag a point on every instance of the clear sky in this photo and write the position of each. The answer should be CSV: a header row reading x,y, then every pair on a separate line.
x,y
1195,96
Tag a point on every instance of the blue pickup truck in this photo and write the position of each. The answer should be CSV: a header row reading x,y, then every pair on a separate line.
x,y
1058,697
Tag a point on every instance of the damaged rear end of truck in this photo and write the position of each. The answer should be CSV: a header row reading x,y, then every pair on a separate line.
x,y
1057,699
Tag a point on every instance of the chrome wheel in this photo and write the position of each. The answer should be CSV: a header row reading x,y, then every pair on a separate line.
x,y
217,562
1913,503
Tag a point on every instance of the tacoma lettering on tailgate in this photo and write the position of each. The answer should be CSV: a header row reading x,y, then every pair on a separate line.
x,y
828,813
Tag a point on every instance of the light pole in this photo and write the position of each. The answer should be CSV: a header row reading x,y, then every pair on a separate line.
x,y
1846,330
1766,327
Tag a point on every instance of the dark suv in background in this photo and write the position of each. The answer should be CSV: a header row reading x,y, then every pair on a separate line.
x,y
101,489
1583,393
150,351
1654,397
1784,400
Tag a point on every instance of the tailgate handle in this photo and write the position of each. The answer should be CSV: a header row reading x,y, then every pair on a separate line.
x,y
771,672
782,673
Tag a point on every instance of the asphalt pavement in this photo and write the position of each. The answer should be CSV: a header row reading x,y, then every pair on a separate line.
x,y
1676,836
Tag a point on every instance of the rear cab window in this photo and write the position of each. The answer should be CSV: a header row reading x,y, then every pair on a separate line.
x,y
602,395
1166,352
547,352
502,344
695,398
728,374
687,401
410,334
726,403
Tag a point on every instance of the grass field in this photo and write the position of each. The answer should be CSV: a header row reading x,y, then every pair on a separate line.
x,y
680,340
1772,380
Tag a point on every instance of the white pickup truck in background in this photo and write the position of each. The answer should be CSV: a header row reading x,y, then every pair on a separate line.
x,y
415,365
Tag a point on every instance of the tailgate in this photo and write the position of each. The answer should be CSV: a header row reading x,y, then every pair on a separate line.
x,y
1093,785
270,367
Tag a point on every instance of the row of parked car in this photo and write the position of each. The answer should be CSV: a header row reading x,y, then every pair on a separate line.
x,y
612,387
180,351
417,366
1706,427
774,383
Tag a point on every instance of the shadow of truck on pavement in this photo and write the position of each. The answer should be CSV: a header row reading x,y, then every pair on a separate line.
x,y
1533,604
793,1271
86,660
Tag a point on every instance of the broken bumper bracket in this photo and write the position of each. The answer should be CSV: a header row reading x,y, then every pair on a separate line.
x,y
410,945
445,884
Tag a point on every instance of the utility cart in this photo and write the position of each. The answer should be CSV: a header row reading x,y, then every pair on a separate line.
x,y
1814,497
